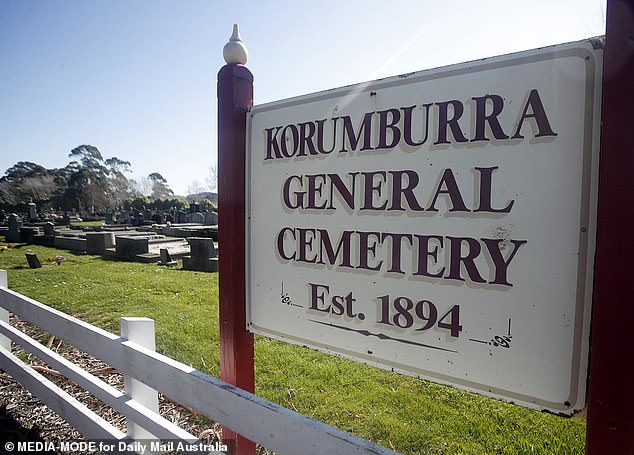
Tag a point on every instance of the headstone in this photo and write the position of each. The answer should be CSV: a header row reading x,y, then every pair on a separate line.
x,y
32,211
75,242
15,223
33,260
166,259
128,247
196,217
27,233
202,247
49,229
203,257
98,242
211,218
108,219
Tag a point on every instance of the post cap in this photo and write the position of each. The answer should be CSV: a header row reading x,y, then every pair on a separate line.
x,y
235,51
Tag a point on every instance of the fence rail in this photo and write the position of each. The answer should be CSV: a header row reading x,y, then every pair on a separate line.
x,y
271,425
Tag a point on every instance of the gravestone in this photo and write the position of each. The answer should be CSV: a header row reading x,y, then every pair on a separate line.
x,y
32,211
98,242
166,259
211,218
128,247
32,234
33,260
49,229
203,257
196,217
202,247
71,241
156,218
15,223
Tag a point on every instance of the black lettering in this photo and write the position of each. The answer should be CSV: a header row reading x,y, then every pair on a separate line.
x,y
444,121
482,118
353,139
538,113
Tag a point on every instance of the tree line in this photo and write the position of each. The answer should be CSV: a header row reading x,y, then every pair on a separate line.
x,y
88,182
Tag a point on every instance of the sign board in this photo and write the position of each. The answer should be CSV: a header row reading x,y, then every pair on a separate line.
x,y
439,224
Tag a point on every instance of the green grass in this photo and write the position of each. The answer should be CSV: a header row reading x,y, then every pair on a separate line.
x,y
87,223
409,415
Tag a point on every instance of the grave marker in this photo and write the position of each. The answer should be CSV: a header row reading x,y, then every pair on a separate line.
x,y
14,224
203,255
33,260
166,259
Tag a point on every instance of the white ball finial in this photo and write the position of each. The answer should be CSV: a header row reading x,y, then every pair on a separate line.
x,y
235,51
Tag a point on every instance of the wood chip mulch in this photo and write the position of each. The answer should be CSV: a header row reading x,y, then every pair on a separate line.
x,y
23,417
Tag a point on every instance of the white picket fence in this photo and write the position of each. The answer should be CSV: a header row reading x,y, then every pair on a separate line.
x,y
146,372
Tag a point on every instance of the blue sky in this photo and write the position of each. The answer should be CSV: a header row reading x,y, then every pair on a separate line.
x,y
137,78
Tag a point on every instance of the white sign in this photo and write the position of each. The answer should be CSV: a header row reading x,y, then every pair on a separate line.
x,y
439,224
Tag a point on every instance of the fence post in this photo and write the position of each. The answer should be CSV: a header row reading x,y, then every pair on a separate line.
x,y
4,314
610,398
141,332
235,98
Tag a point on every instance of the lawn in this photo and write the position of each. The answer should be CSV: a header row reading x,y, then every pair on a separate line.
x,y
409,415
87,223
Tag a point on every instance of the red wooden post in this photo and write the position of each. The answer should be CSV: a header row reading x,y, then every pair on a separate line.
x,y
611,390
235,97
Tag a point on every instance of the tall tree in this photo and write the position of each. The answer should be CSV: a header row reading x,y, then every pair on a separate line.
x,y
8,193
117,166
88,180
38,188
121,188
26,182
144,186
89,158
23,169
160,189
194,190
212,177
